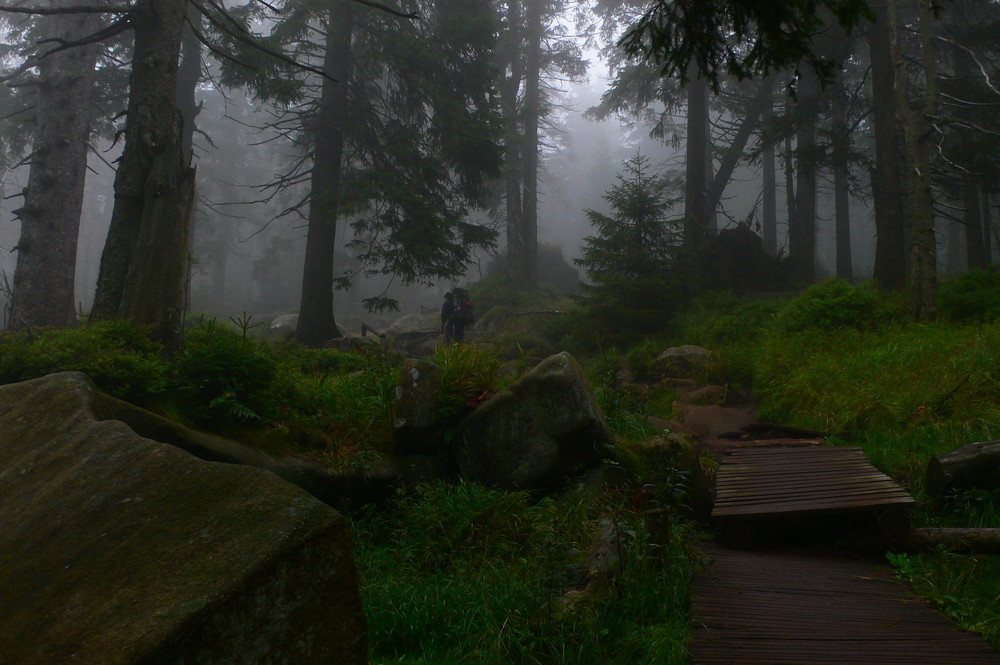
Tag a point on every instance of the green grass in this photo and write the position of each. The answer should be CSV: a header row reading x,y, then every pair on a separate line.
x,y
961,586
463,574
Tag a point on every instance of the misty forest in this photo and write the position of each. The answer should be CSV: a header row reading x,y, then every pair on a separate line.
x,y
498,331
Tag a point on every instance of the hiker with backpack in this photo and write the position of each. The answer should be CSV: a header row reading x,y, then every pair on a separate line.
x,y
456,313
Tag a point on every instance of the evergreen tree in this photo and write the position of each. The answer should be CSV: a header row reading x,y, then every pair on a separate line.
x,y
399,141
631,257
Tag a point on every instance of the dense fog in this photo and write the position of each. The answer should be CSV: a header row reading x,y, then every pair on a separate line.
x,y
595,109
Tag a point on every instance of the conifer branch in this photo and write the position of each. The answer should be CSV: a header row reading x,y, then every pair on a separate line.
x,y
244,37
385,8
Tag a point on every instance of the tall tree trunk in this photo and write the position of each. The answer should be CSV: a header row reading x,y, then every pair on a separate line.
x,y
789,169
841,181
142,268
802,226
188,76
316,318
53,199
532,108
954,248
732,155
513,145
917,130
769,219
770,193
890,259
711,210
975,255
987,230
696,210
219,263
975,251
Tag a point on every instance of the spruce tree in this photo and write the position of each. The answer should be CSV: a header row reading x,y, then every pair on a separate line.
x,y
631,260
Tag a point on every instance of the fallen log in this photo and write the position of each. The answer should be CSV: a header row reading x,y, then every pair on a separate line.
x,y
976,541
763,431
974,465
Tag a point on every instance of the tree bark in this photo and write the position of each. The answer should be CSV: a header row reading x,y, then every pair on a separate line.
x,y
513,147
153,186
532,81
954,248
890,260
43,289
732,155
975,251
696,209
841,181
188,76
987,230
917,130
789,170
802,225
316,322
770,193
974,465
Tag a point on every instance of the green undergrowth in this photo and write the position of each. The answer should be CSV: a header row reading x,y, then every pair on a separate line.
x,y
276,395
963,587
464,574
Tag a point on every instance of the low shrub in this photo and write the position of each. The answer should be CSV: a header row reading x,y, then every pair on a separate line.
x,y
222,378
119,357
973,296
835,304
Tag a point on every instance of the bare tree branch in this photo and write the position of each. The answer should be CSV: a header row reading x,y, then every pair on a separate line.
x,y
78,9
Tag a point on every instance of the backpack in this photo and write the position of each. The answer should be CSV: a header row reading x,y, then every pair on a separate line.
x,y
464,312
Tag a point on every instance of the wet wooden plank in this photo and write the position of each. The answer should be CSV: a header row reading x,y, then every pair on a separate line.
x,y
809,608
756,483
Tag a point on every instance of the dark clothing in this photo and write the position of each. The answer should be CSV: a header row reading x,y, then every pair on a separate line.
x,y
453,330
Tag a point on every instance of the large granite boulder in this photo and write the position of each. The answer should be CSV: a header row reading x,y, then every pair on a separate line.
x,y
429,322
119,550
416,425
283,326
687,361
534,433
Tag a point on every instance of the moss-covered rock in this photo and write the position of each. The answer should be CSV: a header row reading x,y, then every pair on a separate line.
x,y
687,361
535,432
120,550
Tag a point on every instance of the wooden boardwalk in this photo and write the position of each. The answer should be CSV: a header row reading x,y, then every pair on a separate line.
x,y
806,607
794,481
767,608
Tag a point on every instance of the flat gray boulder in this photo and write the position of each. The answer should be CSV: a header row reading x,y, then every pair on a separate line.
x,y
119,550
536,432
